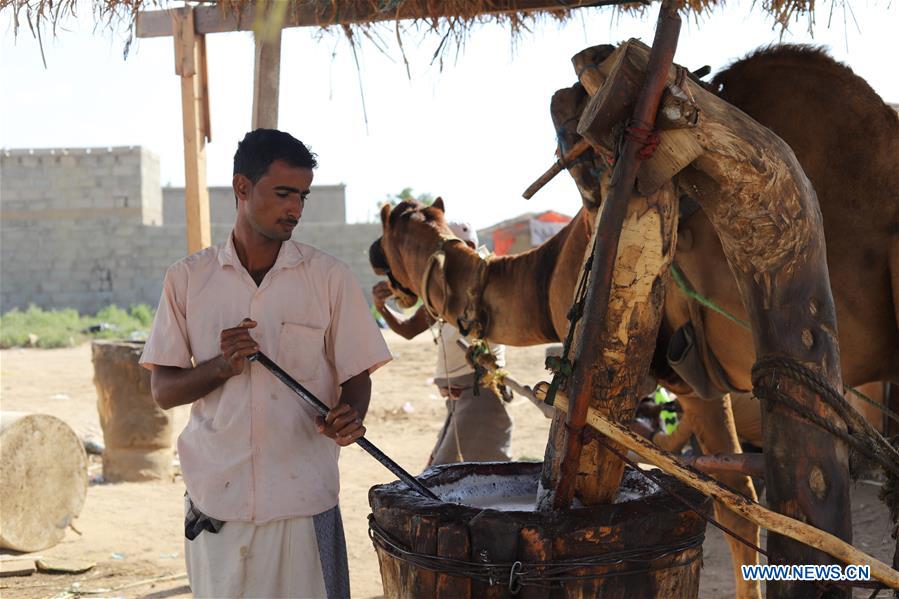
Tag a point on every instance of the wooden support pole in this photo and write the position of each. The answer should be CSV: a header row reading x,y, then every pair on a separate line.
x,y
604,374
266,80
190,65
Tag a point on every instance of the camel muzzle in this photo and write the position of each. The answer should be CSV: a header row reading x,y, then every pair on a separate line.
x,y
378,261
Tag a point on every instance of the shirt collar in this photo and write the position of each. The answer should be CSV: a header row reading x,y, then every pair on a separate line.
x,y
289,255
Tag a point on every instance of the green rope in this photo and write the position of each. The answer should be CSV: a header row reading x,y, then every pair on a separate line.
x,y
685,287
681,281
889,413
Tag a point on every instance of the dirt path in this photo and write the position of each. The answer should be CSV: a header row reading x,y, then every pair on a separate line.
x,y
133,531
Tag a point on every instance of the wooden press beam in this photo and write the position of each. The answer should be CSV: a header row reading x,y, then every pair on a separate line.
x,y
213,19
190,65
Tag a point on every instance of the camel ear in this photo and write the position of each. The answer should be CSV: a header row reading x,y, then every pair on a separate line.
x,y
385,214
438,204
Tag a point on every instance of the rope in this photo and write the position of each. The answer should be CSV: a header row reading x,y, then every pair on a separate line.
x,y
688,290
438,256
886,411
562,367
647,138
537,574
861,436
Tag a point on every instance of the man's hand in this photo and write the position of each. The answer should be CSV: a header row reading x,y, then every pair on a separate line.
x,y
342,424
237,345
380,293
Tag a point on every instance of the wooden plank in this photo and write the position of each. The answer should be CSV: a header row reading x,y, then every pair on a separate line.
x,y
534,546
452,542
190,50
266,81
322,13
494,539
424,540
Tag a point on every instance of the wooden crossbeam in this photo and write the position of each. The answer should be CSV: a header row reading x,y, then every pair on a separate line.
x,y
321,13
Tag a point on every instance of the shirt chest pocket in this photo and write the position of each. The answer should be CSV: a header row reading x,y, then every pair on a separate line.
x,y
301,350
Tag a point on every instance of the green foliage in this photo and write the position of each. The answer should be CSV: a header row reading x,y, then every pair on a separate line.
x,y
408,194
65,328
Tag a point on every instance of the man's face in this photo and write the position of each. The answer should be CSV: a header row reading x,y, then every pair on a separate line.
x,y
274,205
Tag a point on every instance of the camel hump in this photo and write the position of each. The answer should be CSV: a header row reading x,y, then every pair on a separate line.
x,y
845,127
782,66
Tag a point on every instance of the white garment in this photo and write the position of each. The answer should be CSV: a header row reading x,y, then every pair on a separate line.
x,y
277,559
251,450
451,360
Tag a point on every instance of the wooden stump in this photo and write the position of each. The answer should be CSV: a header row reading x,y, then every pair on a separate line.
x,y
136,432
43,480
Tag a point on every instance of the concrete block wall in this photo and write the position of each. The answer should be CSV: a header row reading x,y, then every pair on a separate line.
x,y
80,184
326,204
82,229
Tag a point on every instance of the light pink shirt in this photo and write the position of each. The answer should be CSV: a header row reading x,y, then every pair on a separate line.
x,y
250,451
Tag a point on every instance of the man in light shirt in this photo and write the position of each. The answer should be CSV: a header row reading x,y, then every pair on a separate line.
x,y
262,518
477,427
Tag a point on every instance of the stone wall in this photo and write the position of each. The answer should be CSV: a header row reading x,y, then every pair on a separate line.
x,y
84,228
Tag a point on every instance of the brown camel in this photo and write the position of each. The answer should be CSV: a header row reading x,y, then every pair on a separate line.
x,y
847,141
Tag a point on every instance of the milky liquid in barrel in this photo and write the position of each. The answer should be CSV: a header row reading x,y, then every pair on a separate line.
x,y
519,493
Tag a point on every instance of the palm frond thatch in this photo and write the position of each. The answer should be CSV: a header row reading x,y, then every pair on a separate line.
x,y
36,15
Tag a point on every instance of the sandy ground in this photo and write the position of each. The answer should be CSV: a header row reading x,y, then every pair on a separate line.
x,y
133,531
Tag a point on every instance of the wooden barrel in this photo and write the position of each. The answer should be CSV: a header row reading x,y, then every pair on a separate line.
x,y
648,544
136,432
43,480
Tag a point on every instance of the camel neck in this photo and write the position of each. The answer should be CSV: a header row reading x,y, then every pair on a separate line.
x,y
509,291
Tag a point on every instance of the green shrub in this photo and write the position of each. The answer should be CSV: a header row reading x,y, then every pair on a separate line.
x,y
66,328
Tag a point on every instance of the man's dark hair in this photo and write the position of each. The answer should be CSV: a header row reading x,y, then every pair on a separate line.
x,y
261,147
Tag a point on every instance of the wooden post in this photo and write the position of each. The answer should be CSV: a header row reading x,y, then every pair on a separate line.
x,y
136,432
622,309
190,64
266,80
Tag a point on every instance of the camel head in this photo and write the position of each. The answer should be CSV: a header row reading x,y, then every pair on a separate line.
x,y
411,232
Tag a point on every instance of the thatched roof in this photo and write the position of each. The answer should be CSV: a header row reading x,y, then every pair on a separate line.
x,y
440,15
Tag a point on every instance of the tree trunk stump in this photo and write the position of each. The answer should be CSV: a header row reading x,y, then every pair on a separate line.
x,y
43,480
136,432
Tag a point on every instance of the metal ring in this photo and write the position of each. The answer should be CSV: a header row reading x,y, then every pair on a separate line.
x,y
515,578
